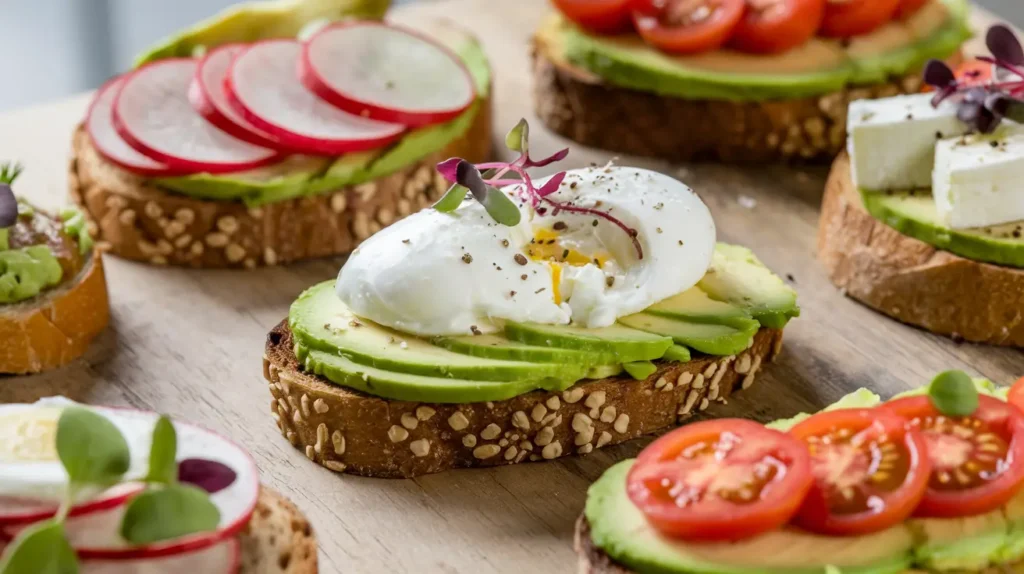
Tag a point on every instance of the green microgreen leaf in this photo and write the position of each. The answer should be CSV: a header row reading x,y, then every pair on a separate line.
x,y
91,448
10,172
163,467
498,205
452,199
40,549
953,393
168,512
518,138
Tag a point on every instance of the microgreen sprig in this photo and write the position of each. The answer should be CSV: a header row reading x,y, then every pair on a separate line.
x,y
96,457
983,105
482,181
8,203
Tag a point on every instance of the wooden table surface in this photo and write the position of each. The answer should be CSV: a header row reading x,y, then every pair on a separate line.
x,y
189,343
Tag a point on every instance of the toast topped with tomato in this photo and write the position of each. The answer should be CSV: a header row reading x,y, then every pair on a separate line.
x,y
930,480
731,80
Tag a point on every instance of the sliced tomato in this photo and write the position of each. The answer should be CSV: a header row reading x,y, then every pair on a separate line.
x,y
772,26
870,471
846,18
687,26
909,7
604,16
1016,394
977,461
726,479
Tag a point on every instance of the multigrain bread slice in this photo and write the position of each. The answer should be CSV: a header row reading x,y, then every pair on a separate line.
x,y
278,538
56,327
349,431
134,219
579,105
913,281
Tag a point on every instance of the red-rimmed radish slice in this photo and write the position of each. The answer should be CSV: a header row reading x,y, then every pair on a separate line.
x,y
263,88
152,113
386,73
99,124
208,97
222,558
15,511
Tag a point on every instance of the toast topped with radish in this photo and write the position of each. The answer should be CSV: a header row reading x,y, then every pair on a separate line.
x,y
278,131
53,294
105,490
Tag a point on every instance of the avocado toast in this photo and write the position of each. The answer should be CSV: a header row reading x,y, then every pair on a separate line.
x,y
917,226
945,512
560,316
53,293
732,103
272,185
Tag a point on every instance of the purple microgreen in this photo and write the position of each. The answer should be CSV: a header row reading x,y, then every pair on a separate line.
x,y
977,115
551,186
209,475
937,74
557,156
518,138
447,168
1003,44
8,206
497,204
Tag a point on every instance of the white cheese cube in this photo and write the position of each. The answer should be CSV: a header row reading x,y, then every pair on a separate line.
x,y
892,140
979,179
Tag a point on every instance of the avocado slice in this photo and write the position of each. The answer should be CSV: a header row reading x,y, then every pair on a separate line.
x,y
622,532
960,544
695,306
711,339
495,346
738,277
913,213
251,21
320,321
614,345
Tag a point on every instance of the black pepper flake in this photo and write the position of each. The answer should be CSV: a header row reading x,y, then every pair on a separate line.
x,y
1016,233
498,267
790,278
467,258
994,143
406,241
520,258
659,206
658,229
680,242
565,254
609,281
910,116
538,291
594,223
938,135
572,185
512,294
474,330
559,226
504,242
523,277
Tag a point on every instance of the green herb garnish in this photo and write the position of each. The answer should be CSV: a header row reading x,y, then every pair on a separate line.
x,y
953,394
10,172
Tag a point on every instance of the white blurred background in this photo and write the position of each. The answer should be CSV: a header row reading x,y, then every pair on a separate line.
x,y
52,48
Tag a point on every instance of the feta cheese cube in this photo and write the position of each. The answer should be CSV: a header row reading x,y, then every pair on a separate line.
x,y
892,140
979,179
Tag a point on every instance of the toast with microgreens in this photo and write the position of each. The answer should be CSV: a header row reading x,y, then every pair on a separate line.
x,y
523,320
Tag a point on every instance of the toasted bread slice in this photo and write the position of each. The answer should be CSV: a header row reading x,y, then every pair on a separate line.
x,y
913,281
579,105
56,327
134,219
349,431
278,539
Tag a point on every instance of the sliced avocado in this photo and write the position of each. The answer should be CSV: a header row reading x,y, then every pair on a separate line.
x,y
720,340
320,321
913,214
287,178
251,21
640,370
406,387
677,354
966,543
695,306
738,277
614,345
622,532
498,347
859,399
604,371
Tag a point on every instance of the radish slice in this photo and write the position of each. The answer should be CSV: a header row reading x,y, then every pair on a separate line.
x,y
207,95
152,113
262,87
15,511
223,558
99,124
386,73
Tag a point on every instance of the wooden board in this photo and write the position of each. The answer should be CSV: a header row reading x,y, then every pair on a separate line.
x,y
189,343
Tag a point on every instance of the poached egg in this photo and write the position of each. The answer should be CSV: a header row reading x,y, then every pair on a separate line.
x,y
459,273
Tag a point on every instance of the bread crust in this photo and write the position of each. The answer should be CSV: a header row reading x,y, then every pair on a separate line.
x,y
56,327
349,431
132,218
913,281
278,538
579,105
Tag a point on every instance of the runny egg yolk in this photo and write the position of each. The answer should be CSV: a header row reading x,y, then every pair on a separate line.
x,y
546,245
29,436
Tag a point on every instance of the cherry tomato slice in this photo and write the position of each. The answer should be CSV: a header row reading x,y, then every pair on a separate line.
x,y
1016,395
845,18
773,26
977,461
870,471
604,16
687,26
909,7
725,479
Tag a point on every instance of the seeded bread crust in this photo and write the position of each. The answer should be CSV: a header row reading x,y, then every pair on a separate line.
x,y
133,219
348,431
913,281
579,105
278,538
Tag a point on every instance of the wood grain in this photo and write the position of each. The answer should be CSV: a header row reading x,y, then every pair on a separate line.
x,y
189,343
